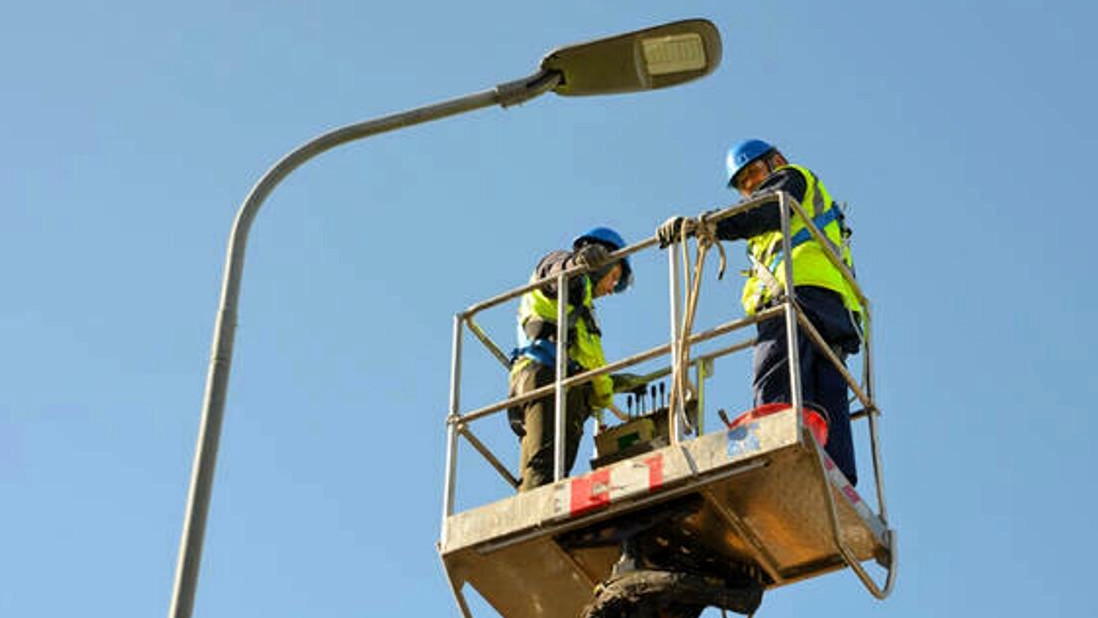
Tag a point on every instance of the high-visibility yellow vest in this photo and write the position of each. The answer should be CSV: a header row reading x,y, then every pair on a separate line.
x,y
584,337
810,265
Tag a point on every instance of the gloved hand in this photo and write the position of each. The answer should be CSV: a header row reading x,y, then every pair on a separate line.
x,y
670,231
628,382
592,256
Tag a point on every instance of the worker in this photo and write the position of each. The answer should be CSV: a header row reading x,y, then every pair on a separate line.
x,y
533,362
755,167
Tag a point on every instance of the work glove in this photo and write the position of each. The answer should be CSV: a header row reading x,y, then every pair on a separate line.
x,y
670,231
592,256
628,383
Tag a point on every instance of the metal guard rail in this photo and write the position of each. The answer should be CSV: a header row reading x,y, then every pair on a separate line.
x,y
458,423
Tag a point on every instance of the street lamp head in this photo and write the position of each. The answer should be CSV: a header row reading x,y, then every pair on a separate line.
x,y
643,60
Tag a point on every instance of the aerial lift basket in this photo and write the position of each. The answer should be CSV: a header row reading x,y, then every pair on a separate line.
x,y
761,493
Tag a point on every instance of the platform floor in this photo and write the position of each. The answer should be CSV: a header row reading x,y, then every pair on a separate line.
x,y
758,494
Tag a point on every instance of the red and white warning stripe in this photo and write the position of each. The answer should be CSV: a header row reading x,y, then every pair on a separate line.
x,y
598,489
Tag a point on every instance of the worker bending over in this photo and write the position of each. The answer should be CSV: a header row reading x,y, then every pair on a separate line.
x,y
533,362
755,168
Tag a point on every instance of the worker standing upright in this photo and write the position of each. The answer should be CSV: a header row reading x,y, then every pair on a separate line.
x,y
533,362
755,167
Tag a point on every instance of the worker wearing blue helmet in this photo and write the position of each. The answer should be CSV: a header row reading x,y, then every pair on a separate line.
x,y
755,167
533,362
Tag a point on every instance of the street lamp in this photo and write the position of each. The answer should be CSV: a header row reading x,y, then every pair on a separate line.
x,y
643,60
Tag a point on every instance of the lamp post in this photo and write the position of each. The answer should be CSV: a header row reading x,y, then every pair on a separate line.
x,y
643,60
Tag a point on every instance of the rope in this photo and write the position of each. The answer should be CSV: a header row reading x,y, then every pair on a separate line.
x,y
705,232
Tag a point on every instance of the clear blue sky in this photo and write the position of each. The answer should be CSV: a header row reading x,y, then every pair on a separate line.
x,y
131,131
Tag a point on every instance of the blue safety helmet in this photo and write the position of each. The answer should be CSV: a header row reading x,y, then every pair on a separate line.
x,y
613,241
744,153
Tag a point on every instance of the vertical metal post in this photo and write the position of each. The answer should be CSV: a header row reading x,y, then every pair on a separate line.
x,y
874,439
452,418
676,301
562,372
792,349
701,374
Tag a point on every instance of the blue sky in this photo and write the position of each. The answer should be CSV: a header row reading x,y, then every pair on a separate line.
x,y
131,131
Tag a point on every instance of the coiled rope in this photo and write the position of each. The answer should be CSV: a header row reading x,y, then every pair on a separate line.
x,y
705,233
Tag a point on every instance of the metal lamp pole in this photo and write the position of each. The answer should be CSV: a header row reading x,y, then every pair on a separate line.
x,y
643,60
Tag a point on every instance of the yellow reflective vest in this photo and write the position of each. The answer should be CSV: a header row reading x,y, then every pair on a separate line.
x,y
538,313
810,265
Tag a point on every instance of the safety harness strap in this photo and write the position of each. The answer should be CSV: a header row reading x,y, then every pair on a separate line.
x,y
542,351
823,218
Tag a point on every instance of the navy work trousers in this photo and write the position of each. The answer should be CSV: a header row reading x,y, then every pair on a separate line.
x,y
822,385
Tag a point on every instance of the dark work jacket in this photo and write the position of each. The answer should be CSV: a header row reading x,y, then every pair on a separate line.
x,y
766,218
